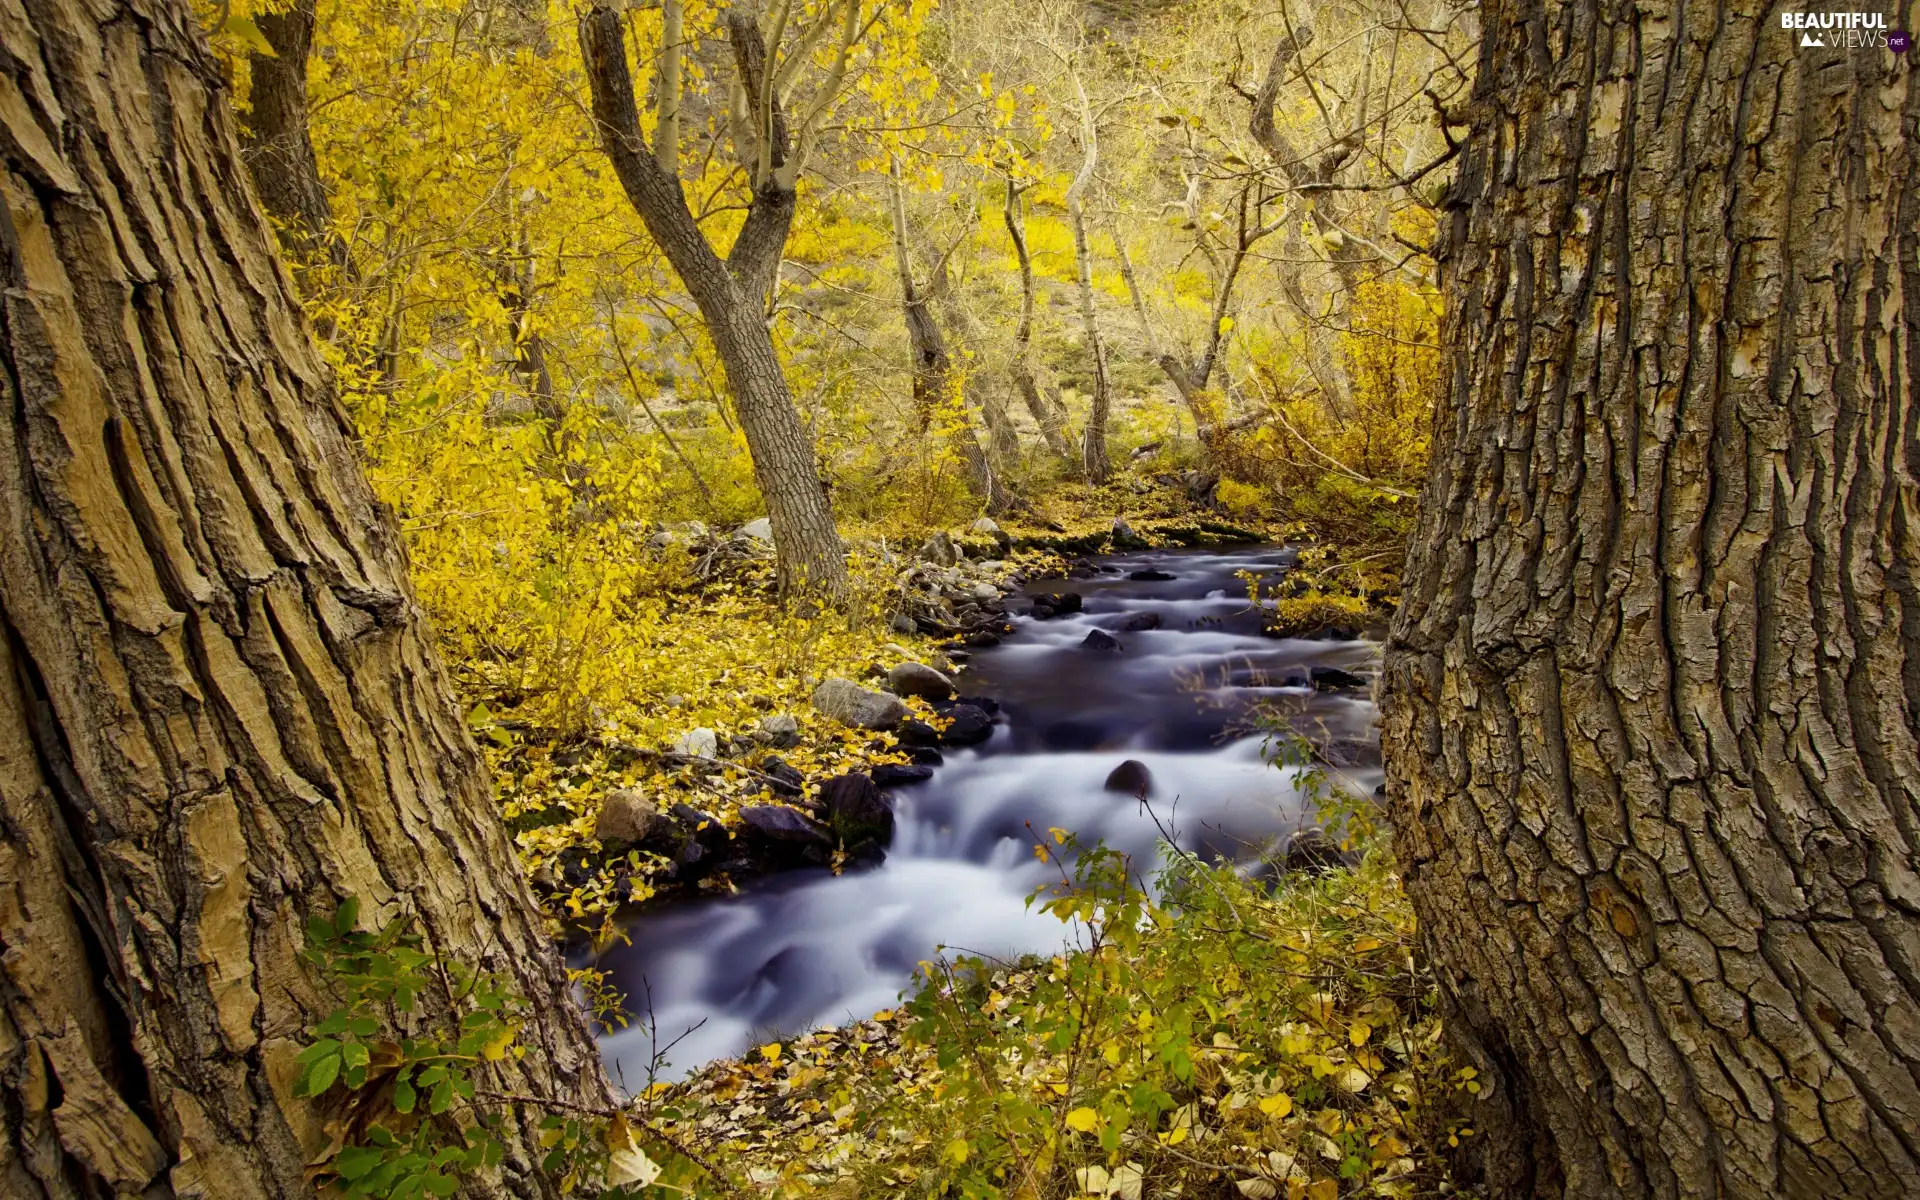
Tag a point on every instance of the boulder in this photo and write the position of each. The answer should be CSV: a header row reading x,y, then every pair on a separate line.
x,y
1311,852
985,525
1152,576
917,733
985,593
980,639
856,810
759,529
918,679
695,826
1140,622
967,726
896,774
627,818
925,756
850,704
940,549
777,824
783,778
1124,536
1065,602
780,730
986,704
1333,679
697,743
902,623
1102,641
1130,778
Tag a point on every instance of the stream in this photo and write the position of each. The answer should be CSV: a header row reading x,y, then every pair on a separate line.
x,y
808,948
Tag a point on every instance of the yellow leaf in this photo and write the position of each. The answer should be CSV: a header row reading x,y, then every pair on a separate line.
x,y
1083,1119
771,1052
496,1047
1324,1189
957,1151
1277,1105
1360,1032
627,1163
1111,1052
243,30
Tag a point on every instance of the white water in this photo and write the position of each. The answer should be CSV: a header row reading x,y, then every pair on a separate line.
x,y
808,948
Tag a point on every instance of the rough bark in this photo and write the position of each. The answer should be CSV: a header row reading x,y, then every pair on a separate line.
x,y
1652,702
220,711
1047,411
729,292
1093,439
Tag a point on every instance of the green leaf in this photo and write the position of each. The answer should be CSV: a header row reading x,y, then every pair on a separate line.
x,y
335,1024
321,1074
363,1027
354,1054
347,916
441,1099
318,1050
404,1097
355,1162
438,1184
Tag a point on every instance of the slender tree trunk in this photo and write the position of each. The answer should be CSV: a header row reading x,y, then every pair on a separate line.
x,y
220,711
1046,410
279,144
729,292
1652,702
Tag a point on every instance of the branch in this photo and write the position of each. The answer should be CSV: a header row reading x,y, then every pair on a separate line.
x,y
829,92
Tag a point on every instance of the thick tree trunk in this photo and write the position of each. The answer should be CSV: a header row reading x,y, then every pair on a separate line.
x,y
220,711
1093,439
1652,703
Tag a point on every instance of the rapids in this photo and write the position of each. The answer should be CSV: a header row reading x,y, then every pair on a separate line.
x,y
808,948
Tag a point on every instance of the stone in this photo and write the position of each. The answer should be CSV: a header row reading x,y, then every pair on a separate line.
x,y
917,733
1312,852
1065,602
925,756
759,529
940,549
1102,641
697,743
985,593
986,704
626,818
980,639
1130,778
896,774
1333,679
1140,622
1152,576
985,525
779,730
856,810
696,826
902,623
850,704
967,726
783,778
663,539
778,824
918,679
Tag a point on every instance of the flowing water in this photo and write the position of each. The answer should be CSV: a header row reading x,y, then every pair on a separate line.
x,y
809,948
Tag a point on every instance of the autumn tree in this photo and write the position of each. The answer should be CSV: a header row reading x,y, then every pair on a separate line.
x,y
1652,718
220,711
731,291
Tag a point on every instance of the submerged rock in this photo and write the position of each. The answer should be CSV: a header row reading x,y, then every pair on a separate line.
x,y
1152,576
850,704
1130,777
1102,641
1140,622
1333,679
918,679
896,774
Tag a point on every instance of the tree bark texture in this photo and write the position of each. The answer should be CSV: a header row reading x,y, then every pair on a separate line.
x,y
1652,701
730,294
220,710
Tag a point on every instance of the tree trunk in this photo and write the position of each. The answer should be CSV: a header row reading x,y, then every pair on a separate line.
x,y
1650,700
729,292
1047,411
279,144
220,711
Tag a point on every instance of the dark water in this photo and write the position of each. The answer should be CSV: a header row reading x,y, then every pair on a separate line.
x,y
809,948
